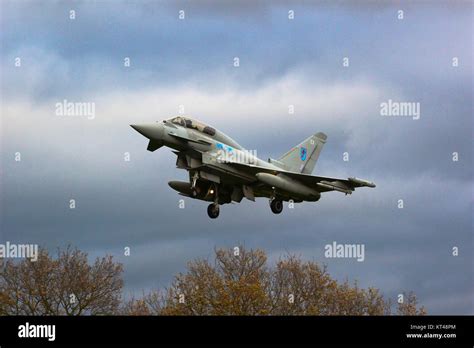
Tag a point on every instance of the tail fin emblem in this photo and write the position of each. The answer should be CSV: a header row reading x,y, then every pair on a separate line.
x,y
303,153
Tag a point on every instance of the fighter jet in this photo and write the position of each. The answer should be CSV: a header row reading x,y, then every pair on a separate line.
x,y
221,171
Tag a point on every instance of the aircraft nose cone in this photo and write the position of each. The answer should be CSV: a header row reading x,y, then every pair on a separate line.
x,y
143,129
151,131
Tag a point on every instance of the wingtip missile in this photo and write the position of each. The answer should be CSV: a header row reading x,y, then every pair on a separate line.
x,y
362,182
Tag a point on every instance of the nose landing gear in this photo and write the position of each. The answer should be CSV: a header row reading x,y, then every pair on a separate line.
x,y
194,190
276,206
213,210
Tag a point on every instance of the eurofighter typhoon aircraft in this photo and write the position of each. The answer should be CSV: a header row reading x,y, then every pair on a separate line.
x,y
221,171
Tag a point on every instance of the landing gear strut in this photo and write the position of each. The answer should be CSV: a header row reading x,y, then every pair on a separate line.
x,y
193,184
276,205
213,210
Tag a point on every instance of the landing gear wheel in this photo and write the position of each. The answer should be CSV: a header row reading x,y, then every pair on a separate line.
x,y
276,205
213,210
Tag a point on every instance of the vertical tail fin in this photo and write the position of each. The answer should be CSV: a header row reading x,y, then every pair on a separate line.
x,y
302,158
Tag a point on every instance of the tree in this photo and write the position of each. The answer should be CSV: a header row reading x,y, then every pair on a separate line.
x,y
237,285
149,304
233,284
244,284
409,306
67,285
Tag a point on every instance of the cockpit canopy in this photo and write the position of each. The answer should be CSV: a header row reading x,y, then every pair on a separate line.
x,y
193,124
205,129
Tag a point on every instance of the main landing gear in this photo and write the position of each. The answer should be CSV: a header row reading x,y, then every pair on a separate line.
x,y
276,206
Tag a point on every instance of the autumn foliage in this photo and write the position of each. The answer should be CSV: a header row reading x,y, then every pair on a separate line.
x,y
65,285
233,283
244,284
